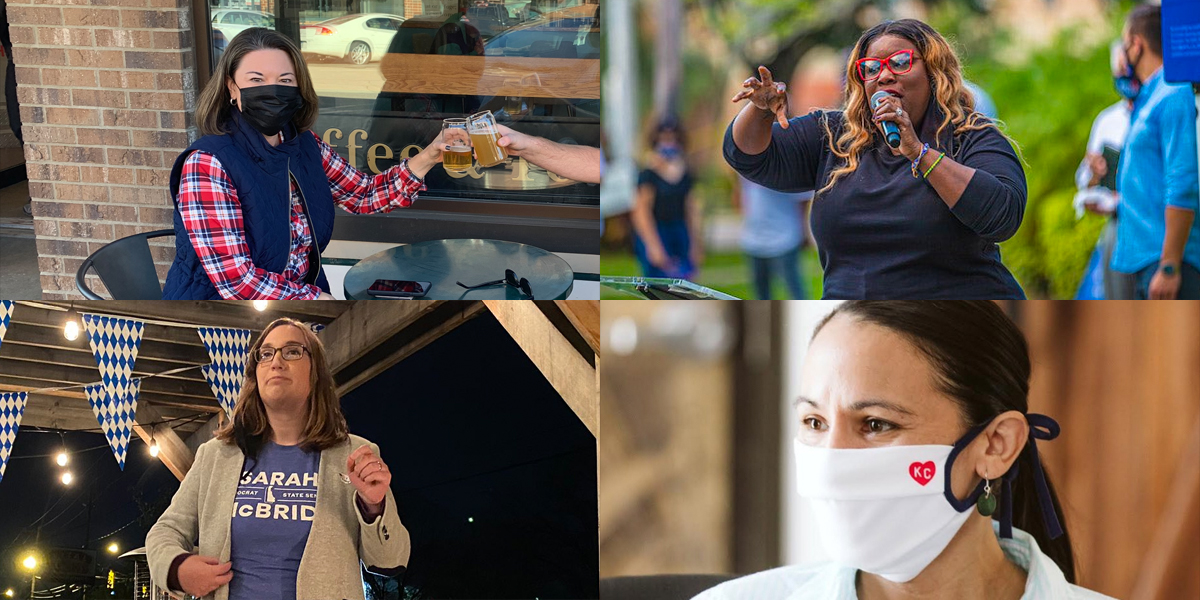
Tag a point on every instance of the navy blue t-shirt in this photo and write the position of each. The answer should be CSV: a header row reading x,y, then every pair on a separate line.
x,y
881,233
670,199
272,515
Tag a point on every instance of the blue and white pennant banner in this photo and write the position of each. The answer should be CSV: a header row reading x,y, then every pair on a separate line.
x,y
116,416
6,309
115,344
12,406
228,349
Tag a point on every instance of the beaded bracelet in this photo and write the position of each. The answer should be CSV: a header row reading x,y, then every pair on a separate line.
x,y
915,172
935,163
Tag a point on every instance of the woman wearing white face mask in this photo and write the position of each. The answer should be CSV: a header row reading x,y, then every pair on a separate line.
x,y
918,455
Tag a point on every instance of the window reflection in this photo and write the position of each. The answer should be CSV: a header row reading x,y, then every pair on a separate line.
x,y
389,71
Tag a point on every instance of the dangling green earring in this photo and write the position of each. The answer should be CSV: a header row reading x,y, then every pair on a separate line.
x,y
987,502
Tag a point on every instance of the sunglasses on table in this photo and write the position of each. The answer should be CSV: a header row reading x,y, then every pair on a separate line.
x,y
898,63
510,278
289,352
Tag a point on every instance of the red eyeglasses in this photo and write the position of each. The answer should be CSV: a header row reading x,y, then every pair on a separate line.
x,y
898,63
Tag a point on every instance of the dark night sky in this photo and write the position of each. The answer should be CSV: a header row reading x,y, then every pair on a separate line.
x,y
470,430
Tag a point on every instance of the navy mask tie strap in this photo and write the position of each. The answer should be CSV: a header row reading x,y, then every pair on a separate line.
x,y
1041,427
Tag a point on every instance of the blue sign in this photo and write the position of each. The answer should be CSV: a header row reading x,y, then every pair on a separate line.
x,y
1181,40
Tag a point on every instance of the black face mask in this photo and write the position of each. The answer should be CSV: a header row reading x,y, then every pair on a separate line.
x,y
269,107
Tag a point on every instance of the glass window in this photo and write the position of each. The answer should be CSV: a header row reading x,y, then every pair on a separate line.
x,y
389,71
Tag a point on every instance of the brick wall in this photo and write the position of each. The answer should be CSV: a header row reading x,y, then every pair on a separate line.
x,y
107,91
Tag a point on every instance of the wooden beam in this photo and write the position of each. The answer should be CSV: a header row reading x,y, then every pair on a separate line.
x,y
72,412
169,404
367,325
172,450
45,337
30,356
568,371
57,375
1169,567
205,432
585,316
450,321
223,313
53,319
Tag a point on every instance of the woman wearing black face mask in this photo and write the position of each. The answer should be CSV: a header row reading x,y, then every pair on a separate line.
x,y
254,197
666,219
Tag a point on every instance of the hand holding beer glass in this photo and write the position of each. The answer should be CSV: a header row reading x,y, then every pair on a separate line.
x,y
457,156
485,135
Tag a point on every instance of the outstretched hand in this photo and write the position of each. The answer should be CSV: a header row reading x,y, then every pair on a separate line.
x,y
766,94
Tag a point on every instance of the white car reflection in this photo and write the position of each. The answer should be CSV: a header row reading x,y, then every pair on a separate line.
x,y
231,22
359,39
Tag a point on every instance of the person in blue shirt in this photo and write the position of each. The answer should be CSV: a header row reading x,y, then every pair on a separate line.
x,y
1158,236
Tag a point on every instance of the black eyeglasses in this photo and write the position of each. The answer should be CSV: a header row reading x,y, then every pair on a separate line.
x,y
289,352
510,278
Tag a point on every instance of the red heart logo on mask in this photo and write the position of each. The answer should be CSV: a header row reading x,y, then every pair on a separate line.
x,y
922,472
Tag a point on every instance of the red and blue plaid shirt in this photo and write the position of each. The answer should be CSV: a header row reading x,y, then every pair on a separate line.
x,y
212,217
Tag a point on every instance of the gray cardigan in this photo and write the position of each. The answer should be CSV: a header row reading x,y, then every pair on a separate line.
x,y
329,570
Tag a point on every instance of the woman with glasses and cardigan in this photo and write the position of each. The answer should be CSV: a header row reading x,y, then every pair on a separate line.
x,y
284,502
921,220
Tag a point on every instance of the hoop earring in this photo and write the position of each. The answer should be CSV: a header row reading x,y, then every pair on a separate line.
x,y
231,101
987,502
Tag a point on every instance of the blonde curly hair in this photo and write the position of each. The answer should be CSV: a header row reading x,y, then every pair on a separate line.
x,y
955,100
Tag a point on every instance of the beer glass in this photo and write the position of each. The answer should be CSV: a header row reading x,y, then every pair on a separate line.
x,y
454,134
484,137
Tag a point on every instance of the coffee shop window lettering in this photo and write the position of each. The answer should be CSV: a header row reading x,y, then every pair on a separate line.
x,y
388,72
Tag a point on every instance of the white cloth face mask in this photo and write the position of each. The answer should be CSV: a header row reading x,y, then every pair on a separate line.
x,y
880,510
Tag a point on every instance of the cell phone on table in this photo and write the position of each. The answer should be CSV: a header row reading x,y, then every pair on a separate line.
x,y
398,288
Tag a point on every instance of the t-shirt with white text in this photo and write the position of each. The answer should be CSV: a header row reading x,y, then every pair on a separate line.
x,y
272,515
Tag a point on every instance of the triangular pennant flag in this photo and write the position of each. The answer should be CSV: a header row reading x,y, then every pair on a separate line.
x,y
6,309
12,406
115,345
227,348
116,416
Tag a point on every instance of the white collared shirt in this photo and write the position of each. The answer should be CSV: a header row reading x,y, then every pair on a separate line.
x,y
1045,581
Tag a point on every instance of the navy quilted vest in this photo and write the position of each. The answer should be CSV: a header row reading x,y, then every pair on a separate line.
x,y
259,173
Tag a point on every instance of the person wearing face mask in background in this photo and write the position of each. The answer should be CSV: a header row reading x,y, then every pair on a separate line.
x,y
918,455
1158,234
1097,193
668,232
255,196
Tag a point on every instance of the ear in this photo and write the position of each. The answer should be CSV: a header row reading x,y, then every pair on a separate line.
x,y
1001,444
232,88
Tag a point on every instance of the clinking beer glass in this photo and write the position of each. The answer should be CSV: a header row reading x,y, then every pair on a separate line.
x,y
457,159
485,136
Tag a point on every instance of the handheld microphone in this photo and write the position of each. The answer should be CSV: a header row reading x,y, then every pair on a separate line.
x,y
890,130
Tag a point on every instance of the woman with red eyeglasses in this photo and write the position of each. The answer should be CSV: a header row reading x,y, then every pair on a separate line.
x,y
921,220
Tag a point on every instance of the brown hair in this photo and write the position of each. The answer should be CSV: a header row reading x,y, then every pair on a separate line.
x,y
981,360
325,425
213,108
1146,21
955,100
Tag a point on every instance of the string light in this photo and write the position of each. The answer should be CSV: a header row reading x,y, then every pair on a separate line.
x,y
153,447
67,478
113,548
71,327
260,305
62,458
30,562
